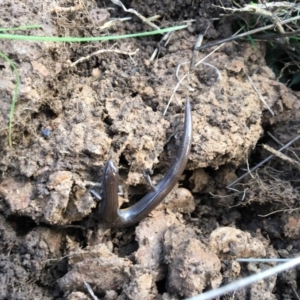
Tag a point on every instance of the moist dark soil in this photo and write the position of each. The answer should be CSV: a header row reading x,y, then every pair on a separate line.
x,y
77,109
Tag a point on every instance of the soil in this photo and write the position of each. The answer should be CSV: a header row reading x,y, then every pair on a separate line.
x,y
71,118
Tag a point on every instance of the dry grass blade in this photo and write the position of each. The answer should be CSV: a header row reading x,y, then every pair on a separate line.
x,y
113,22
282,156
279,211
262,10
269,36
250,260
132,11
262,162
82,59
281,144
242,35
164,41
88,287
261,98
174,91
247,281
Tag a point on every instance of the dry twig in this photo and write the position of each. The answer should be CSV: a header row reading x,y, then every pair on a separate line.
x,y
88,287
261,98
133,11
282,156
82,59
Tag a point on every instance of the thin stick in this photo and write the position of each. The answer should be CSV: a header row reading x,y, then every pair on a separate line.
x,y
132,11
281,144
236,285
174,91
207,56
166,38
261,98
259,10
282,156
274,138
246,33
250,260
88,287
262,162
177,76
198,44
100,52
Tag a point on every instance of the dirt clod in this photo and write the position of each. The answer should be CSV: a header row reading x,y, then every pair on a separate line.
x,y
98,266
191,265
231,242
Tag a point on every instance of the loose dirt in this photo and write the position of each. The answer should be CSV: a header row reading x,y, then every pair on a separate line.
x,y
71,118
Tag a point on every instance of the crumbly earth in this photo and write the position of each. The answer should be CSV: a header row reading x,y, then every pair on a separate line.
x,y
72,116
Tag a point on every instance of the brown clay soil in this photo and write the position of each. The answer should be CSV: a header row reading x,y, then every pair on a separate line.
x,y
70,119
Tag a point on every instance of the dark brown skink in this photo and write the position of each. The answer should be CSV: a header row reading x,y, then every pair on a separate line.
x,y
112,216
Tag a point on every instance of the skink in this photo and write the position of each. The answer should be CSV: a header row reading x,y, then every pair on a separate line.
x,y
113,216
